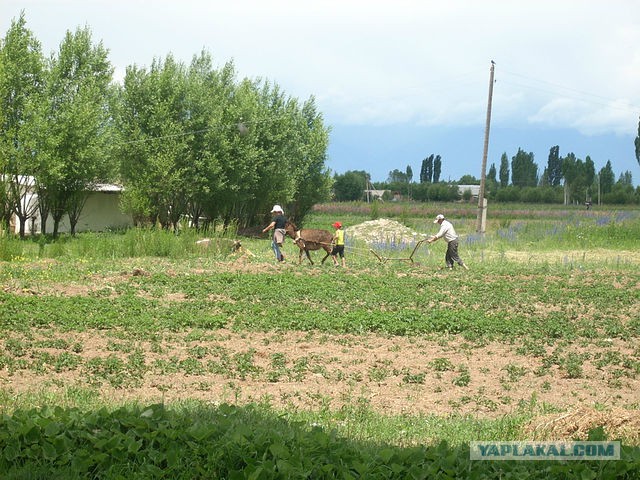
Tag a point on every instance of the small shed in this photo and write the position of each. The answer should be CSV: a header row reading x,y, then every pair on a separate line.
x,y
101,212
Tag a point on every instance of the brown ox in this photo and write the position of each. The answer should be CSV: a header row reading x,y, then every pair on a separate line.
x,y
310,239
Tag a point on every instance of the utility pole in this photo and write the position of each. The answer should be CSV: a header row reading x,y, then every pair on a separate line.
x,y
367,184
482,202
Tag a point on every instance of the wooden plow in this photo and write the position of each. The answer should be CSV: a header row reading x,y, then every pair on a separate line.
x,y
409,259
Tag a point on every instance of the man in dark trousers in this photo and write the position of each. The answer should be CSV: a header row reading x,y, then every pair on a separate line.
x,y
448,233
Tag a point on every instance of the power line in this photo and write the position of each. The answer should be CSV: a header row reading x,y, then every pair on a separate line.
x,y
576,94
241,126
557,85
441,85
163,137
612,103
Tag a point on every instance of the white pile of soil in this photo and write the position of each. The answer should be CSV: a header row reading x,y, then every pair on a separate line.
x,y
383,231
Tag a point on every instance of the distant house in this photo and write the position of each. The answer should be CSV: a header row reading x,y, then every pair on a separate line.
x,y
374,194
475,190
101,212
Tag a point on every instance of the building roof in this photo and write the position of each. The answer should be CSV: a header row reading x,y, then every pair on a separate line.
x,y
107,187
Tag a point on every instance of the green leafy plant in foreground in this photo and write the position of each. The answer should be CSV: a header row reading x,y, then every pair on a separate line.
x,y
233,442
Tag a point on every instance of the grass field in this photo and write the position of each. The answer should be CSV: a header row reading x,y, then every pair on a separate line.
x,y
539,339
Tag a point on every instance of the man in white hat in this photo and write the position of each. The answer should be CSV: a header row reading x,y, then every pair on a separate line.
x,y
277,224
448,233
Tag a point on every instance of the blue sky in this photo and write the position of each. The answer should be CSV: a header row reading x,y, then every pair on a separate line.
x,y
399,80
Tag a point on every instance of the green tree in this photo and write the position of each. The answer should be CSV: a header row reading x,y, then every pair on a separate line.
x,y
314,181
278,159
606,178
202,144
76,133
524,171
625,178
426,172
396,176
409,175
491,185
259,167
573,172
491,175
297,145
589,177
569,173
622,191
554,166
207,91
504,170
350,185
437,168
468,180
21,79
153,118
544,178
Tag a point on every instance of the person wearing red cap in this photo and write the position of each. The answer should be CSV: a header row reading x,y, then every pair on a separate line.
x,y
338,244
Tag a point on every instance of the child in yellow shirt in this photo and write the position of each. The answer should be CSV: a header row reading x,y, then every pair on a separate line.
x,y
338,244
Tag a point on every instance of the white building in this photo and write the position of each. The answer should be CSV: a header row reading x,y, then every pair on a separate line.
x,y
475,190
101,212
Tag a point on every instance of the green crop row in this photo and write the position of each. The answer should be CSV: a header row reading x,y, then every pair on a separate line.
x,y
547,304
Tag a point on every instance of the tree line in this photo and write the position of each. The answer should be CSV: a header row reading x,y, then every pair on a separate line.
x,y
185,140
567,180
564,180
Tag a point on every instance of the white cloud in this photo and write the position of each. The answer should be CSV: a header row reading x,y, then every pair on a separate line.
x,y
616,117
559,112
558,63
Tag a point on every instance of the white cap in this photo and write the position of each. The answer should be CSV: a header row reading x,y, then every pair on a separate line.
x,y
277,208
438,218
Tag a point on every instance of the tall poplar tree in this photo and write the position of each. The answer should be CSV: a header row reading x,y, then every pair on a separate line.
x,y
314,180
524,171
504,170
76,128
589,177
21,80
426,172
570,173
437,168
606,178
491,174
153,119
554,167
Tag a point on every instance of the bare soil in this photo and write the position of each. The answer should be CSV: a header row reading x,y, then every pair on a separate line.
x,y
392,375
